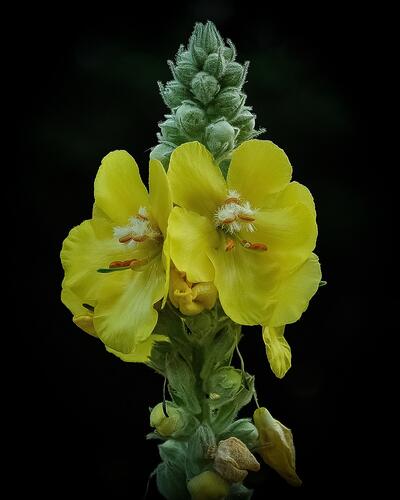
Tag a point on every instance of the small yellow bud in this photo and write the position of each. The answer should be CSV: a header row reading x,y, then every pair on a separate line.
x,y
191,298
85,323
166,425
208,486
275,445
233,460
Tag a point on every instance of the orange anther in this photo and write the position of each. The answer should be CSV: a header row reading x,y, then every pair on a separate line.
x,y
229,221
247,218
125,239
231,200
141,217
120,263
254,246
139,239
230,245
136,262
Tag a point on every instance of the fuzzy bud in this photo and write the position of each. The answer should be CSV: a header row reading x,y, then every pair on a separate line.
x,y
220,137
184,72
191,118
162,152
170,131
174,93
215,64
234,75
246,121
205,87
228,102
208,486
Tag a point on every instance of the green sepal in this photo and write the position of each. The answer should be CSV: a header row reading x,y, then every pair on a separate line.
x,y
199,446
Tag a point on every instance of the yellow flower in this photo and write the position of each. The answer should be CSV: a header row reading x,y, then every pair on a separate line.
x,y
208,485
252,235
117,264
275,445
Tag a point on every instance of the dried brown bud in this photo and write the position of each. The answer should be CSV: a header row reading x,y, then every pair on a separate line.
x,y
233,460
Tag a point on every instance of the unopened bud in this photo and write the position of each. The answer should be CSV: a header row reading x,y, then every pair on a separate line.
x,y
208,486
184,71
166,424
205,87
191,118
246,121
228,102
170,131
162,152
275,445
220,137
215,64
234,75
174,93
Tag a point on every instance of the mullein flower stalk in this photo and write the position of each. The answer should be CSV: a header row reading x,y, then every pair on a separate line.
x,y
167,276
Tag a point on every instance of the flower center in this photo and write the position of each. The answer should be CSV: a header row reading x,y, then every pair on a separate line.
x,y
138,229
235,215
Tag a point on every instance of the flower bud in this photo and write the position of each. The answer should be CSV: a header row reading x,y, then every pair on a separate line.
x,y
244,430
234,75
174,93
162,152
246,121
170,131
189,298
199,55
275,445
185,71
215,64
228,102
205,87
224,384
208,486
220,137
191,118
233,460
166,425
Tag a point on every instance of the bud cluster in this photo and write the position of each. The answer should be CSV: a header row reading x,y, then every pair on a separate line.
x,y
205,97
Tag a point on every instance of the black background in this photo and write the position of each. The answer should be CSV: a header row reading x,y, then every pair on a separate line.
x,y
86,85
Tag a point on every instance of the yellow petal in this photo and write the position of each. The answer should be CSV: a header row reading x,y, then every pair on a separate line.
x,y
290,233
276,446
294,293
258,169
85,323
141,352
88,247
82,317
125,315
244,279
159,194
119,192
278,350
294,194
191,236
196,181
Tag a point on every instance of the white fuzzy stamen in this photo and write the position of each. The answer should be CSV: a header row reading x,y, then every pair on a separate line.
x,y
228,216
138,227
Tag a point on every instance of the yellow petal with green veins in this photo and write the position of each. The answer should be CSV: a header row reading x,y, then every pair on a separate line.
x,y
191,238
196,182
278,350
257,170
118,189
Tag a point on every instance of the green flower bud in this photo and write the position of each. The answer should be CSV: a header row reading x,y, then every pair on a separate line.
x,y
223,385
170,131
191,119
207,37
227,103
220,137
234,75
208,486
166,425
244,430
205,87
174,93
230,52
199,55
184,71
184,56
162,152
246,121
215,64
